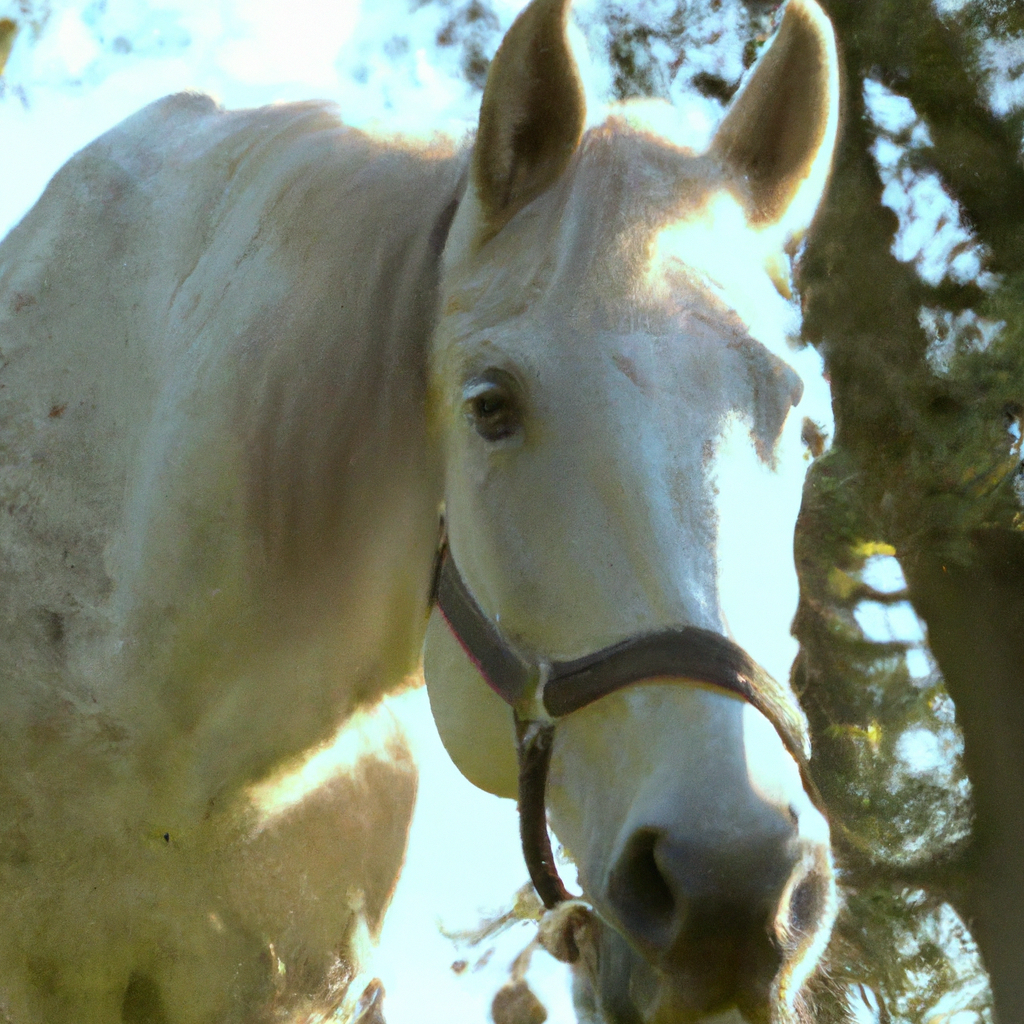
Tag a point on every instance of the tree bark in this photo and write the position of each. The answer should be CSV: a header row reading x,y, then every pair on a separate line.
x,y
975,617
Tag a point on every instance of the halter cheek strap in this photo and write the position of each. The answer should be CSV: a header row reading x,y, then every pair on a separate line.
x,y
541,692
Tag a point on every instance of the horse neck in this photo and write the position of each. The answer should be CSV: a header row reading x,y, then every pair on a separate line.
x,y
339,452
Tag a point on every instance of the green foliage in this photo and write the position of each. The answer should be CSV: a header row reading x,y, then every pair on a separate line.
x,y
896,831
928,381
908,935
8,30
474,29
661,47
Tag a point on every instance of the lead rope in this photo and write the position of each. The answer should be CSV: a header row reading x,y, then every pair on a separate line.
x,y
534,751
484,646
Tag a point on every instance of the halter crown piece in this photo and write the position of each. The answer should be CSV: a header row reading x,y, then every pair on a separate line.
x,y
540,692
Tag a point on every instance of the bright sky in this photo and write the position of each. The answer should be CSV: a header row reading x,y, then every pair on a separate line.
x,y
99,60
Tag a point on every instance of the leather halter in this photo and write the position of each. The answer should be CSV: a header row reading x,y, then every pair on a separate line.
x,y
540,692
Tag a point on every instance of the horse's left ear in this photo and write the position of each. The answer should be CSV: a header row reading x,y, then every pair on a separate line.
x,y
531,117
780,133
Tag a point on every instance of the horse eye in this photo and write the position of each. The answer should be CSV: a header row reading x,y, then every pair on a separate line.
x,y
491,406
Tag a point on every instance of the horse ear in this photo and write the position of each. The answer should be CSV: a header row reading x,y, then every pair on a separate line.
x,y
780,132
531,117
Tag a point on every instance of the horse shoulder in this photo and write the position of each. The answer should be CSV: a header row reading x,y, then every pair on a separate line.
x,y
215,463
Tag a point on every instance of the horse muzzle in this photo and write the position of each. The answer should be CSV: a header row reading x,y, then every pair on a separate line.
x,y
709,929
699,919
720,961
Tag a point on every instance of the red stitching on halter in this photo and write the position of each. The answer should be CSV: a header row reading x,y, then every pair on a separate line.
x,y
470,653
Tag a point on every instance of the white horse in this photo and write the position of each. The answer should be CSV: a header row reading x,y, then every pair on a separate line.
x,y
250,363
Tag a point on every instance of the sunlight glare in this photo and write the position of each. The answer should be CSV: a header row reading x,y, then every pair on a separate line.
x,y
741,265
298,43
372,732
884,574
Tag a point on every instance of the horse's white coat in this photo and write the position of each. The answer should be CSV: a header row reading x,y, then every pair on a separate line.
x,y
220,504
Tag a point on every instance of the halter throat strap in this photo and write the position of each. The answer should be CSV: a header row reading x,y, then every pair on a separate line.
x,y
541,692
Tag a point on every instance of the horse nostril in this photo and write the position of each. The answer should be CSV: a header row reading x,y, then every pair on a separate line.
x,y
706,912
142,1003
640,894
805,905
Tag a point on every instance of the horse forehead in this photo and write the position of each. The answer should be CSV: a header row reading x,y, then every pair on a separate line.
x,y
638,264
595,226
620,198
637,232
657,343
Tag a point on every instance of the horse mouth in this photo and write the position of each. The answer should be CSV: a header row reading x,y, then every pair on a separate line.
x,y
704,984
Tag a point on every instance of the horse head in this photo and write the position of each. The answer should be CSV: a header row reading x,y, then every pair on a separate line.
x,y
619,415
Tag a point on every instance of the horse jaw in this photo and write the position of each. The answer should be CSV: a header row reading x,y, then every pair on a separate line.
x,y
474,723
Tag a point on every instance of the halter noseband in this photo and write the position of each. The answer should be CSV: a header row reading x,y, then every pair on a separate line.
x,y
540,692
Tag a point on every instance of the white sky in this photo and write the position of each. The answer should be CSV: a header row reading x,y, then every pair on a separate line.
x,y
97,61
464,864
